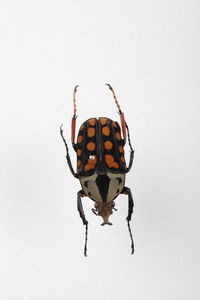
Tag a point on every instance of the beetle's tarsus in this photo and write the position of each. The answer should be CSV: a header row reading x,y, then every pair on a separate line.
x,y
86,238
75,89
109,86
61,130
132,244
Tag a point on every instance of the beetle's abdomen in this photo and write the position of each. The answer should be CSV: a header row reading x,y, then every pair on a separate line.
x,y
100,147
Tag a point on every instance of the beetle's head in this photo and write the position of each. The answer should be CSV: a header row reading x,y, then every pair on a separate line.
x,y
104,209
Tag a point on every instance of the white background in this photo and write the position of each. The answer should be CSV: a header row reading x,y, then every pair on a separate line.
x,y
148,51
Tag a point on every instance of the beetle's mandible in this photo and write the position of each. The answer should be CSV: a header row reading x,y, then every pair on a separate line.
x,y
101,165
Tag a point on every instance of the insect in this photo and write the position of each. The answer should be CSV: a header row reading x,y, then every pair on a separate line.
x,y
101,165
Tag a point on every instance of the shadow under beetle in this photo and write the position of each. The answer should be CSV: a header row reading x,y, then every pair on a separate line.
x,y
101,165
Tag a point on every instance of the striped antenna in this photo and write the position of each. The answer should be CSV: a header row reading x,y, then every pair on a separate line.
x,y
73,124
116,101
122,119
74,101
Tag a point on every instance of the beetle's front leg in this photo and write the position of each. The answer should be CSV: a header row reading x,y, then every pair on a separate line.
x,y
67,155
81,194
127,191
131,151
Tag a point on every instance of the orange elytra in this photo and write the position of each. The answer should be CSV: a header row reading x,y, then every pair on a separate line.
x,y
79,152
103,121
88,167
92,121
91,146
118,136
114,124
106,131
110,161
91,132
81,128
92,161
122,159
80,138
108,145
121,149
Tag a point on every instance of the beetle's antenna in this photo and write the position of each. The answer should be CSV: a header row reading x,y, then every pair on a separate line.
x,y
74,100
73,124
123,123
116,101
131,236
86,238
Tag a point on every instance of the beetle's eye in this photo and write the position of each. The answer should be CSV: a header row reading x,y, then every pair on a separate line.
x,y
92,157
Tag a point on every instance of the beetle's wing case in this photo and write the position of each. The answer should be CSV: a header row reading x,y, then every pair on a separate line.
x,y
112,145
100,148
86,148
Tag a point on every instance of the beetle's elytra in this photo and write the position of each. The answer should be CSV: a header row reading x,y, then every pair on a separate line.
x,y
101,165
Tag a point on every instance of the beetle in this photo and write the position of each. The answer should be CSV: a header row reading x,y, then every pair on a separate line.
x,y
101,165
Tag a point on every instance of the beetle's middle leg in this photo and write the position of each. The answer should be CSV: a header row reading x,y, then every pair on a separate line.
x,y
81,194
127,191
67,155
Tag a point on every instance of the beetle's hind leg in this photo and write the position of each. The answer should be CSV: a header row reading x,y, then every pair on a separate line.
x,y
67,154
81,194
128,192
131,151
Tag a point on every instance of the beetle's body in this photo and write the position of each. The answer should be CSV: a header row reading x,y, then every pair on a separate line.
x,y
101,165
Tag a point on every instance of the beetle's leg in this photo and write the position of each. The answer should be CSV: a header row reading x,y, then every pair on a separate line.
x,y
131,151
81,194
122,119
73,124
127,191
95,211
67,155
